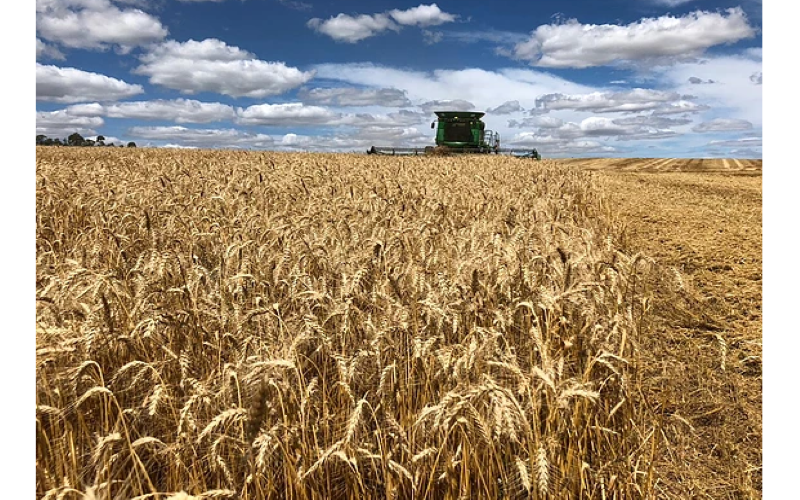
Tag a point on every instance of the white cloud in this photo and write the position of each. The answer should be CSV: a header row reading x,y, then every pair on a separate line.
x,y
432,37
422,15
294,113
556,136
537,122
733,93
480,88
500,37
73,85
472,88
723,125
402,118
46,51
652,121
506,108
681,106
177,110
107,139
446,105
549,145
351,96
596,125
671,3
745,142
207,138
87,109
576,45
182,137
633,100
213,66
296,5
59,124
96,24
344,28
353,29
699,81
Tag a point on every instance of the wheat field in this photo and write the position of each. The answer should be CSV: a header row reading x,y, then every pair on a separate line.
x,y
220,324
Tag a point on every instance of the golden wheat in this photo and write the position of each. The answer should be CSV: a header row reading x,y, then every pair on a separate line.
x,y
265,325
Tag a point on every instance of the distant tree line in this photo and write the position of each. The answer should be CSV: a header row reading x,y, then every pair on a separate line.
x,y
76,139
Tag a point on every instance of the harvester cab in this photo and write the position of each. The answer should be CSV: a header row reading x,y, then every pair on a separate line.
x,y
465,132
459,132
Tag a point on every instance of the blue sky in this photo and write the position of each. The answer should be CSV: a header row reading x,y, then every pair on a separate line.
x,y
622,78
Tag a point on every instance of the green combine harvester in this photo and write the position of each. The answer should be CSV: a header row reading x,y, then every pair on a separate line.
x,y
460,132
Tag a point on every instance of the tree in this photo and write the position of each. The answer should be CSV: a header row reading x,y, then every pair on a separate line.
x,y
75,139
131,144
100,140
40,139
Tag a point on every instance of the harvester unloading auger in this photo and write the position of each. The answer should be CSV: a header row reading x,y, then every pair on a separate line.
x,y
460,132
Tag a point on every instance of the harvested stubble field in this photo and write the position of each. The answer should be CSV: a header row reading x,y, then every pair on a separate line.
x,y
273,325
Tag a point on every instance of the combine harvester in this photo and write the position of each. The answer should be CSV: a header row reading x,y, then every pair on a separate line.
x,y
460,132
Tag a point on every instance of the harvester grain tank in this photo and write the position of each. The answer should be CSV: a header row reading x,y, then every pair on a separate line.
x,y
459,132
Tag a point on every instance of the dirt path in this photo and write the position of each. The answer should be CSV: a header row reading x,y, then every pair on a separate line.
x,y
707,226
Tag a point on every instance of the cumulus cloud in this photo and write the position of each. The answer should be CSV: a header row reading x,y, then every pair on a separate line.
x,y
480,88
549,145
422,15
96,24
46,51
697,81
73,85
212,65
294,113
107,139
344,28
183,137
432,37
402,118
555,135
59,124
681,107
733,90
296,4
206,138
634,100
537,122
671,3
177,110
298,114
86,109
351,96
723,125
446,105
745,142
652,121
576,45
506,108
353,29
392,135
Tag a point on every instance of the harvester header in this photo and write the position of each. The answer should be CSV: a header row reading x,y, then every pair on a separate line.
x,y
459,132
